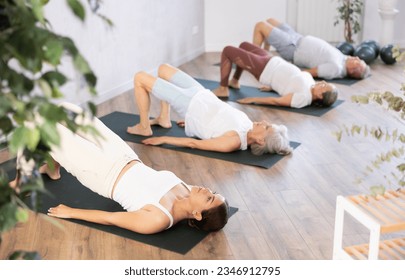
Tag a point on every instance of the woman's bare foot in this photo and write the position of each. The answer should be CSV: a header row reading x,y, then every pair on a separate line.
x,y
181,123
14,185
233,83
162,122
221,91
54,173
139,130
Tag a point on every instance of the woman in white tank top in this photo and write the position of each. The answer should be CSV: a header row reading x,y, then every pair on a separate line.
x,y
109,167
219,126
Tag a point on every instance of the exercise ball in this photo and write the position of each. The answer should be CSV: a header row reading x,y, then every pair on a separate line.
x,y
346,48
386,54
365,52
374,45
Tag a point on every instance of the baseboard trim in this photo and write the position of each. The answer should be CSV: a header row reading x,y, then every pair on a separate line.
x,y
128,85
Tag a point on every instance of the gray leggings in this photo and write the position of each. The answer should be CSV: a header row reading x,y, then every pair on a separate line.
x,y
284,39
178,92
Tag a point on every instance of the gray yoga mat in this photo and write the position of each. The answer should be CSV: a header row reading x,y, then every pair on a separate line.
x,y
342,81
69,191
247,91
119,121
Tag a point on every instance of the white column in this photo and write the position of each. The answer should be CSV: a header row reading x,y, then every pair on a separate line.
x,y
387,11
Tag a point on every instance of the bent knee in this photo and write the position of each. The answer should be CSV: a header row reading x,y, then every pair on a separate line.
x,y
263,28
273,22
261,25
138,77
163,68
227,49
166,71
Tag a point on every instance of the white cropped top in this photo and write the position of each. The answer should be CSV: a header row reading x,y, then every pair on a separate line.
x,y
142,185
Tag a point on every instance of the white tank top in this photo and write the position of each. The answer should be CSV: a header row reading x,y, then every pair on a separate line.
x,y
285,78
142,185
208,117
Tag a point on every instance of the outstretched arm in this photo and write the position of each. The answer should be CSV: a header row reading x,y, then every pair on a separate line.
x,y
146,220
276,101
226,143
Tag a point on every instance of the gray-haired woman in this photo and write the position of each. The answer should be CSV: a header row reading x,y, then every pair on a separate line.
x,y
219,126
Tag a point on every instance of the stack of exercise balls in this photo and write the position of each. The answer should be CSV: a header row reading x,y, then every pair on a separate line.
x,y
368,51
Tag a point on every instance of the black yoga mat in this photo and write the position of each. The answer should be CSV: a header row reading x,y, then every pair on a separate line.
x,y
119,121
69,191
343,81
247,91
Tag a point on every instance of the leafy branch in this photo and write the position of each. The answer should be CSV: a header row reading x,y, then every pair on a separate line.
x,y
30,86
349,12
395,138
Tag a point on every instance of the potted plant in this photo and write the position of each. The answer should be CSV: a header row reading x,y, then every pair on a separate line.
x,y
349,12
30,83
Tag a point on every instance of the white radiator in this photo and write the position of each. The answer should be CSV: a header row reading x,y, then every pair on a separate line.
x,y
316,17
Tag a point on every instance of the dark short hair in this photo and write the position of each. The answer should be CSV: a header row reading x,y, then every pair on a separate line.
x,y
328,98
212,219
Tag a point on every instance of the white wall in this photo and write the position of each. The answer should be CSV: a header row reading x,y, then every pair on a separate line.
x,y
146,33
372,22
230,22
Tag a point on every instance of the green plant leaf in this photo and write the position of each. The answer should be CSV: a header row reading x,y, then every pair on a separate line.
x,y
69,45
401,167
402,138
356,129
77,8
49,133
81,64
37,8
338,135
53,50
52,113
54,78
45,87
92,108
24,255
8,216
360,99
17,140
32,138
377,190
22,215
6,125
91,79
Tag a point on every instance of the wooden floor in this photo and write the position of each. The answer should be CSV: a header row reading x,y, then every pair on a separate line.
x,y
285,212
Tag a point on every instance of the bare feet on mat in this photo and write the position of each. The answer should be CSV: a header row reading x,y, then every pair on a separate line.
x,y
13,185
181,123
233,83
54,173
221,91
139,130
162,122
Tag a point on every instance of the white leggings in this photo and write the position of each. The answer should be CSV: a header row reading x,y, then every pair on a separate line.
x,y
96,163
